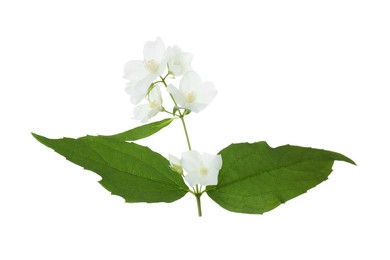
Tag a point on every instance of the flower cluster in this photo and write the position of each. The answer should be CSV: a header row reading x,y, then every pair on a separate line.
x,y
146,75
146,79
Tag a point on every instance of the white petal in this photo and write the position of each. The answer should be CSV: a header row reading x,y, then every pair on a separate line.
x,y
174,50
130,87
190,82
152,113
212,161
141,112
206,93
155,95
187,58
171,52
177,95
192,179
135,99
155,56
194,107
155,50
203,96
191,161
211,178
179,62
139,90
174,160
144,112
135,70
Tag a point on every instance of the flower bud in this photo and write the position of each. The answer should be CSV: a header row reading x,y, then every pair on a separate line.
x,y
175,164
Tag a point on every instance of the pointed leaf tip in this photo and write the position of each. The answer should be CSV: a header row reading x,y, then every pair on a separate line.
x,y
142,131
39,138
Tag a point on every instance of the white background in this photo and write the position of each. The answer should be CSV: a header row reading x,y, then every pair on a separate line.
x,y
309,73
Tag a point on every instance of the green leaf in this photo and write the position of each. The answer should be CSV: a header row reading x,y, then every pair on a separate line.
x,y
129,170
256,178
142,131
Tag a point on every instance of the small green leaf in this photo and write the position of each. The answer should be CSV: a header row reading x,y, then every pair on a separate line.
x,y
142,131
256,178
129,170
186,112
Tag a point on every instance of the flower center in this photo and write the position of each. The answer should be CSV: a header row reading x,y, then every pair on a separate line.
x,y
203,171
177,62
151,66
153,104
190,97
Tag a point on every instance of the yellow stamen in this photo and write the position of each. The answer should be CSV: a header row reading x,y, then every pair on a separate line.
x,y
203,171
151,66
190,97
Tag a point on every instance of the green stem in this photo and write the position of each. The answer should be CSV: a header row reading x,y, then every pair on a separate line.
x,y
180,114
198,203
186,132
197,192
166,111
166,86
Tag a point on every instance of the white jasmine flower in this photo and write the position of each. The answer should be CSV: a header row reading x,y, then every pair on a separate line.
x,y
175,164
144,112
179,62
201,169
138,89
193,94
142,73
